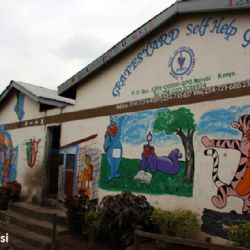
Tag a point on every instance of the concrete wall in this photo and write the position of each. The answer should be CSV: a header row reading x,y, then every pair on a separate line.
x,y
29,108
22,150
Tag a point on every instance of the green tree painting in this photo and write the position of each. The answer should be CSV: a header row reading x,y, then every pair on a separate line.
x,y
181,122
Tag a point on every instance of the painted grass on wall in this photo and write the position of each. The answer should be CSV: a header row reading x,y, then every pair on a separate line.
x,y
160,184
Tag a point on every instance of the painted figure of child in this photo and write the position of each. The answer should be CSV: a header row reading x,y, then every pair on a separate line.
x,y
87,175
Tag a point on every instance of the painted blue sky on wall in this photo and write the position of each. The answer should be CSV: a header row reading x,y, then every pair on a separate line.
x,y
136,126
218,121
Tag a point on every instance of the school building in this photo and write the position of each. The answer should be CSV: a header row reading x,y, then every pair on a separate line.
x,y
164,113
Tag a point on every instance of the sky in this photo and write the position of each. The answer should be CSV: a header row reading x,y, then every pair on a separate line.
x,y
45,42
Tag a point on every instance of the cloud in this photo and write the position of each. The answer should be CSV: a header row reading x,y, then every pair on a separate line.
x,y
48,41
84,47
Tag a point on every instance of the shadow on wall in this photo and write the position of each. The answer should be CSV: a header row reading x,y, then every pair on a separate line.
x,y
32,186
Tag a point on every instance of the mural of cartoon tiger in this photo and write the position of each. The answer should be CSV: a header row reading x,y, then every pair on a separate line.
x,y
240,184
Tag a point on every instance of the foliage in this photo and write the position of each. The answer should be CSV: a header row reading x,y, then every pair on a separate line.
x,y
114,220
120,214
160,183
179,223
4,198
240,234
77,208
181,122
10,191
171,121
14,190
91,217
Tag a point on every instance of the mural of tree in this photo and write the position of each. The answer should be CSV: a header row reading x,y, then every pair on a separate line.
x,y
181,122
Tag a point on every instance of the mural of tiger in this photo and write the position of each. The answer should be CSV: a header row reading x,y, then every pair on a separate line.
x,y
240,184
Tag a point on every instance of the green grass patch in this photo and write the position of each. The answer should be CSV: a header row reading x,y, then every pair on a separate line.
x,y
160,184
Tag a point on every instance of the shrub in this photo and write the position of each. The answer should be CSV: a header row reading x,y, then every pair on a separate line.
x,y
240,234
91,224
10,191
4,198
179,223
120,214
14,190
77,208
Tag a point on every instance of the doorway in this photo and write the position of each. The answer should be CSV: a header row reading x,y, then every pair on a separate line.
x,y
54,160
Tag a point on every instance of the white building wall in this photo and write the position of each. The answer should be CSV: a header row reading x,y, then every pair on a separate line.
x,y
219,47
30,170
28,145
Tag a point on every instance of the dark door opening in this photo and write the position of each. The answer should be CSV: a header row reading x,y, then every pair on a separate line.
x,y
54,160
69,175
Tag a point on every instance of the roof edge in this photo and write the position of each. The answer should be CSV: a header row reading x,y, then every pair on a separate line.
x,y
44,100
118,48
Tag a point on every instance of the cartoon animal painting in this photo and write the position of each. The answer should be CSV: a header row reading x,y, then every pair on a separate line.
x,y
240,184
113,147
166,164
87,175
8,158
31,151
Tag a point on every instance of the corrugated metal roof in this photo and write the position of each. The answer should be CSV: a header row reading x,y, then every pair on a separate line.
x,y
38,94
180,7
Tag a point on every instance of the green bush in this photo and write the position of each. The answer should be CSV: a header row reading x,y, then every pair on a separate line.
x,y
91,224
10,191
179,223
240,234
120,214
78,209
114,220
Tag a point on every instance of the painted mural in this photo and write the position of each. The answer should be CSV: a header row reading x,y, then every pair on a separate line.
x,y
150,161
240,185
87,169
166,164
19,107
80,171
151,172
32,151
8,158
232,127
85,176
113,147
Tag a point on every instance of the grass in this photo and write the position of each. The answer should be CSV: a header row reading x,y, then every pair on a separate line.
x,y
160,184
